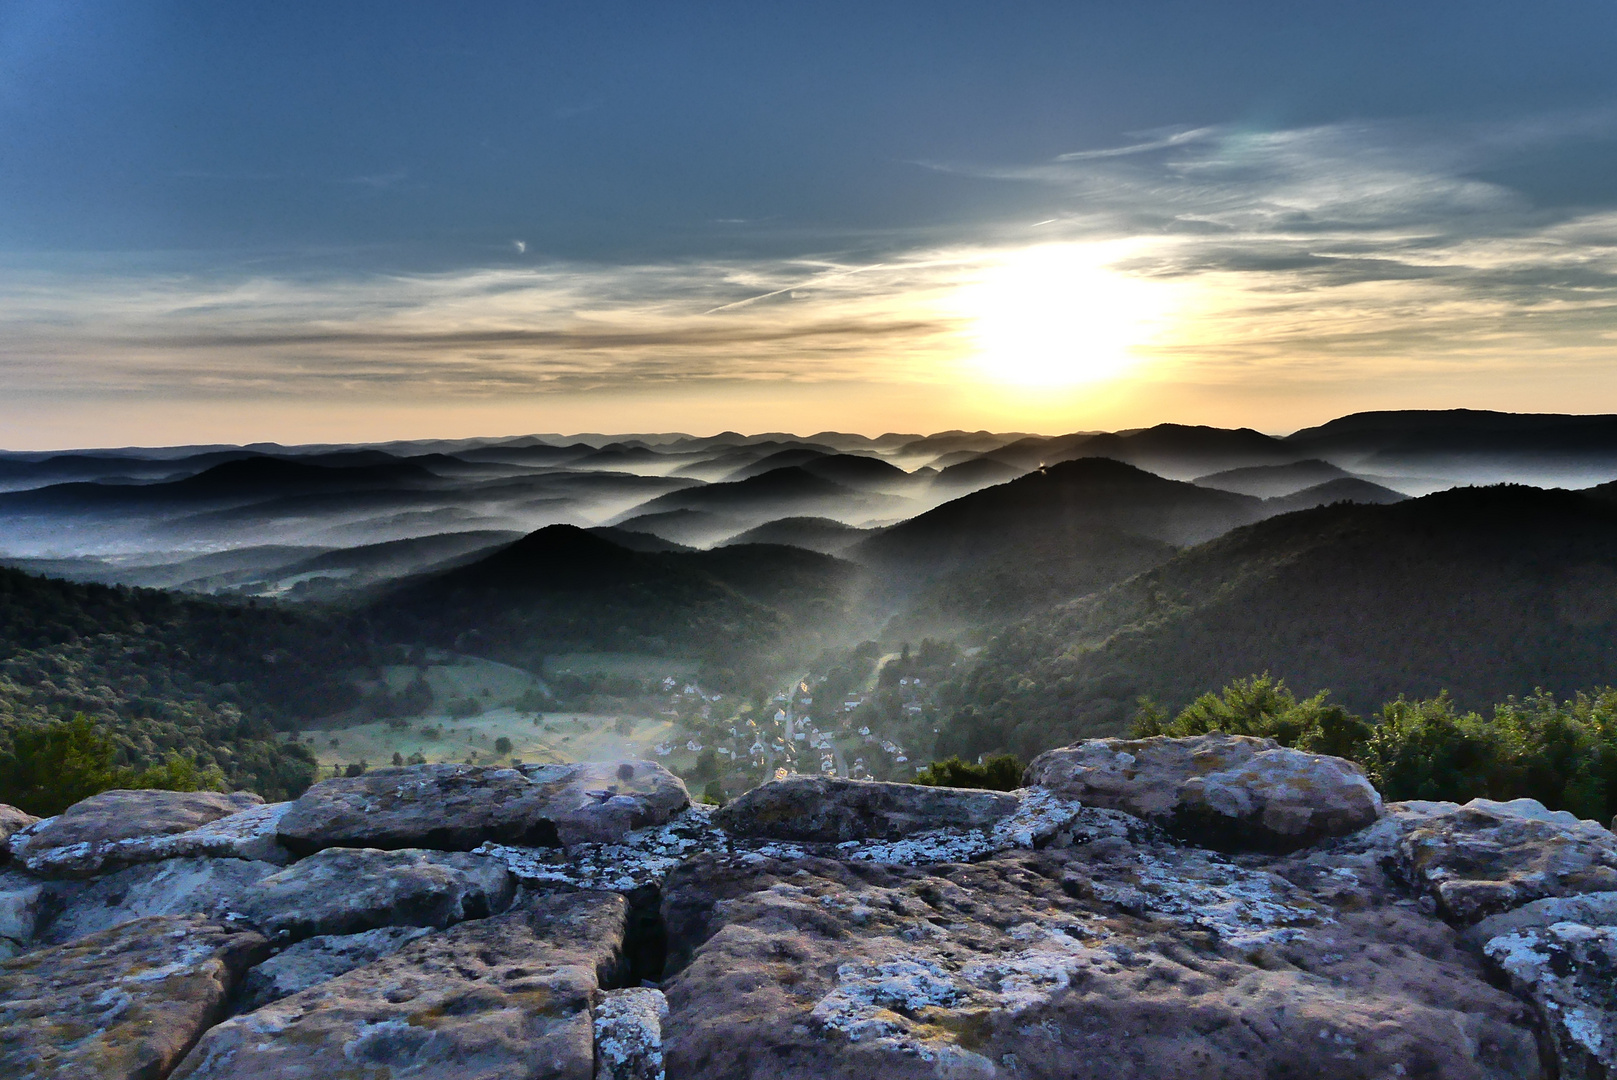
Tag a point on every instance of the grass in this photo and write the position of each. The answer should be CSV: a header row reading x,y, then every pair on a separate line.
x,y
558,737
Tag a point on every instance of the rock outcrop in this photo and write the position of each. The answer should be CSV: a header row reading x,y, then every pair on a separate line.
x,y
211,887
320,959
1487,857
586,921
1227,792
459,807
11,820
507,996
1121,955
350,890
124,1004
828,810
120,828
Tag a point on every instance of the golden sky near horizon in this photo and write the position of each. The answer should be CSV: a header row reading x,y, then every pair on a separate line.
x,y
1346,271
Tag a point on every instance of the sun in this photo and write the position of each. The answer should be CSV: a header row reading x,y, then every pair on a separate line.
x,y
1060,315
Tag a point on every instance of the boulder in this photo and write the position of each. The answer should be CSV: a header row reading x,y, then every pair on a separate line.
x,y
458,807
1485,857
124,1003
508,996
11,820
596,802
829,810
211,887
1117,956
317,960
629,1035
1226,792
118,828
349,890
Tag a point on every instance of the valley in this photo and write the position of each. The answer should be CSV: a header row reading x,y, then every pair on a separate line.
x,y
842,605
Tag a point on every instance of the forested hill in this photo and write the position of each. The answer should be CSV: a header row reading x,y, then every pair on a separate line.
x,y
163,672
1484,592
562,588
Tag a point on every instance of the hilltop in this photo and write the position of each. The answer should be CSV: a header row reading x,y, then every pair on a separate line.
x,y
1482,592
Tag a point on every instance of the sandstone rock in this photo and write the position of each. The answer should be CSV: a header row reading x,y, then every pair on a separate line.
x,y
1485,858
1117,956
210,887
829,810
348,890
118,828
124,1003
458,807
1569,971
1590,909
504,997
23,901
11,820
643,858
596,802
1227,792
628,1035
318,959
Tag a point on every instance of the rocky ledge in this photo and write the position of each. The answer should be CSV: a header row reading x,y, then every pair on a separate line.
x,y
1208,907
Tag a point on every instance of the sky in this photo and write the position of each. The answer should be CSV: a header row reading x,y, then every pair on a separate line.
x,y
352,221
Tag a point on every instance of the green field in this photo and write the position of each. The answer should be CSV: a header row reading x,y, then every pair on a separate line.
x,y
558,737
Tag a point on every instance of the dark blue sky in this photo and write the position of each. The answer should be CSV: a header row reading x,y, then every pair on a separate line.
x,y
435,130
256,211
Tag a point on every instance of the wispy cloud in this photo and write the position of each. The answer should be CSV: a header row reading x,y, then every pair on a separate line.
x,y
1332,254
1178,138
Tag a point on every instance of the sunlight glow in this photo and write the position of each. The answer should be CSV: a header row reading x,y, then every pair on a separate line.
x,y
1059,315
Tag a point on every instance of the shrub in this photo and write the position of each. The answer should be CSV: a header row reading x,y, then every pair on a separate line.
x,y
1265,707
52,766
1562,753
465,707
1003,772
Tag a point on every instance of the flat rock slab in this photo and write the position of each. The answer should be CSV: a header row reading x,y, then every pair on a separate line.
x,y
349,890
118,828
1485,858
829,810
211,887
317,960
1226,792
458,807
125,1003
1113,958
505,998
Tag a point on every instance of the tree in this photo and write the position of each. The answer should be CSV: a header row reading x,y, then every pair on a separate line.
x,y
1002,772
1262,706
52,766
502,746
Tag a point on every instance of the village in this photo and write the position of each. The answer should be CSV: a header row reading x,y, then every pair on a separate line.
x,y
863,714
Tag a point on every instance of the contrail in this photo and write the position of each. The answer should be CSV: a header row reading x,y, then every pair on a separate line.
x,y
799,285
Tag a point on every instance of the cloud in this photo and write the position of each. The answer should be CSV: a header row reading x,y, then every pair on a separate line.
x,y
1179,138
1336,254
